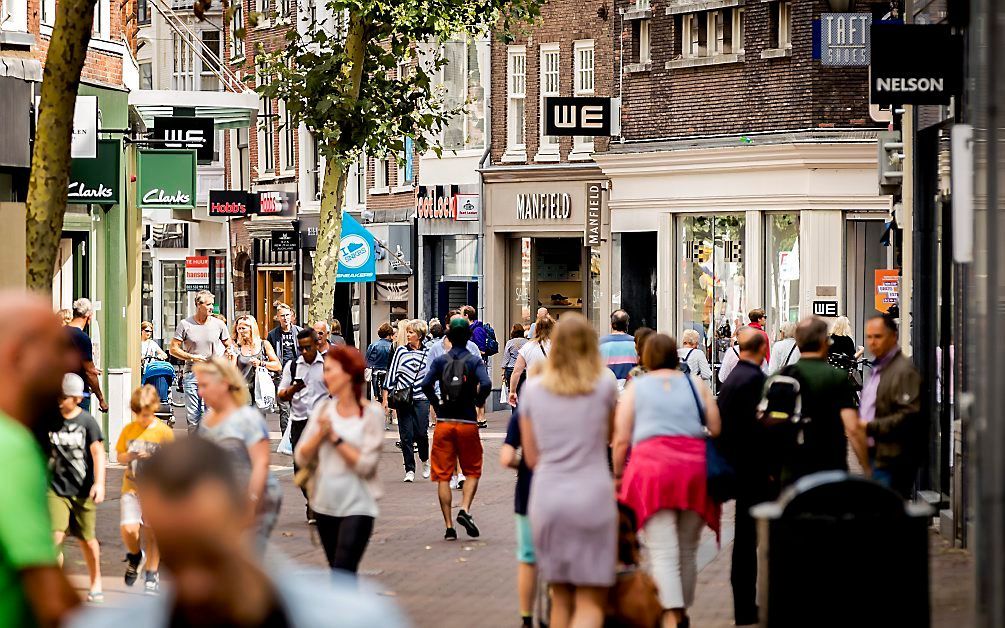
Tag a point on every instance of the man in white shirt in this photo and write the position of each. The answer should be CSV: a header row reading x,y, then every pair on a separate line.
x,y
303,387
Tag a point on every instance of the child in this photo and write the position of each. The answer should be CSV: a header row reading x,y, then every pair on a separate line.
x,y
77,481
138,441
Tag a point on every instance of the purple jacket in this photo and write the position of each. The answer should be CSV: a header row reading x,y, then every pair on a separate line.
x,y
478,335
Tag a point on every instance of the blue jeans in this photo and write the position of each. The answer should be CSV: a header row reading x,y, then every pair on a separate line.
x,y
194,407
413,427
898,478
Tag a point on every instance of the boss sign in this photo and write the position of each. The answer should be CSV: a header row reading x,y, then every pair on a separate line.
x,y
577,116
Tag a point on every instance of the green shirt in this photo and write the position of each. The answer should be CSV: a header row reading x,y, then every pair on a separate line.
x,y
25,529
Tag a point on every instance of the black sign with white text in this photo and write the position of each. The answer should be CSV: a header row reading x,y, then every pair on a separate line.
x,y
914,64
580,115
825,308
285,241
232,203
181,132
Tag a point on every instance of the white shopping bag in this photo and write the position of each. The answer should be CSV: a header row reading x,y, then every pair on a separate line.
x,y
265,389
285,444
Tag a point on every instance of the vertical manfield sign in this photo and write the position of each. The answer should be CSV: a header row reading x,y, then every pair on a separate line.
x,y
594,213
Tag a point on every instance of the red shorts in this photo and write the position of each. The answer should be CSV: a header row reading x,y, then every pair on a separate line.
x,y
453,441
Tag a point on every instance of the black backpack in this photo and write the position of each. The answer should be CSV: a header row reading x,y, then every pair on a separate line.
x,y
781,402
453,379
491,342
684,366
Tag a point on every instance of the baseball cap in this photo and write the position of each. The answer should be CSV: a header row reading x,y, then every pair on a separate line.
x,y
73,385
458,323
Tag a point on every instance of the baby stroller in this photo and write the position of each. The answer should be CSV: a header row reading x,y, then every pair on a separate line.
x,y
160,374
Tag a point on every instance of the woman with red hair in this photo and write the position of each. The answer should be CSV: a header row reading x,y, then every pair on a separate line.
x,y
343,437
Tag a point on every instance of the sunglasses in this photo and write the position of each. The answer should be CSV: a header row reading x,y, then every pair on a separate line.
x,y
147,331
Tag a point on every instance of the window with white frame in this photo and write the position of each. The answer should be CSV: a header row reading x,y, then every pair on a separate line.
x,y
401,174
102,25
462,77
143,11
584,84
237,31
287,139
146,76
516,91
14,15
47,12
182,63
381,174
550,77
784,19
712,33
262,8
266,133
640,30
356,189
642,5
208,80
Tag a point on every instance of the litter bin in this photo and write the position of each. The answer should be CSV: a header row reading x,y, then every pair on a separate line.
x,y
838,550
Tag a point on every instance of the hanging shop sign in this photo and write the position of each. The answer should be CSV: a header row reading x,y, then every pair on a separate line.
x,y
285,241
393,248
594,213
310,226
84,143
196,272
356,257
541,206
165,178
914,64
577,115
887,288
96,181
842,39
191,133
232,203
467,206
277,204
825,308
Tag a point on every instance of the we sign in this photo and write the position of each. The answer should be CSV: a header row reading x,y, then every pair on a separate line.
x,y
577,116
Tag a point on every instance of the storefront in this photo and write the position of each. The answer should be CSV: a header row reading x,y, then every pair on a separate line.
x,y
547,244
710,233
449,218
275,274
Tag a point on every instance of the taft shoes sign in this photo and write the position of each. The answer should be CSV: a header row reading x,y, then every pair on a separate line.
x,y
577,115
914,64
96,181
165,178
844,39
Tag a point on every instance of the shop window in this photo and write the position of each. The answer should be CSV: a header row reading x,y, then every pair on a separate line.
x,y
460,256
516,81
781,260
147,289
174,298
520,283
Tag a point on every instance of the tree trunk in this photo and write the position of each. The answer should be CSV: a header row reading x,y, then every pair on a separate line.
x,y
322,303
50,162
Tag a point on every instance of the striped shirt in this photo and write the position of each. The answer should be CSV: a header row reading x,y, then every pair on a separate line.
x,y
618,353
408,367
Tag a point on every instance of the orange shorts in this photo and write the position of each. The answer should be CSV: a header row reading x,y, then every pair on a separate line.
x,y
453,441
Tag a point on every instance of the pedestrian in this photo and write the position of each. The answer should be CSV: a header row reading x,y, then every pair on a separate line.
x,y
303,387
343,438
283,338
891,406
757,321
378,360
744,443
617,349
336,337
240,430
464,385
531,354
65,316
786,350
197,506
512,350
665,417
641,335
149,349
137,442
198,338
511,456
828,402
541,313
35,352
249,353
484,337
404,381
77,479
731,356
566,414
83,313
694,357
323,330
841,340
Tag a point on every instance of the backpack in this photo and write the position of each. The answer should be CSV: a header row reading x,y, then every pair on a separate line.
x,y
453,379
491,343
781,402
684,366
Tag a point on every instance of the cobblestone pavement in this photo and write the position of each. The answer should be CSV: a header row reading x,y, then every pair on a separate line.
x,y
472,582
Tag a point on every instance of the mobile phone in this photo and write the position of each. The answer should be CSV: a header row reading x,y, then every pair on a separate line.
x,y
298,381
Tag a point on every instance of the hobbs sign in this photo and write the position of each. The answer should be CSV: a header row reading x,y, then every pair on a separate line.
x,y
914,64
544,206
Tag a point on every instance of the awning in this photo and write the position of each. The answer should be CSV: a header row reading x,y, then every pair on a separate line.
x,y
20,65
229,110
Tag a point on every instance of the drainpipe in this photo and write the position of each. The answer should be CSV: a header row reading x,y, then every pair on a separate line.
x,y
481,194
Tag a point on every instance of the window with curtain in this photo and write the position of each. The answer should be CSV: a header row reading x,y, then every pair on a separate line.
x,y
550,86
516,80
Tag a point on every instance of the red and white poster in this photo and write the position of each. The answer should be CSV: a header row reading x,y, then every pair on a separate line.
x,y
197,272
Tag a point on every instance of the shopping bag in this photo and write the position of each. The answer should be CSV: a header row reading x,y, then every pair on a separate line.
x,y
286,443
265,389
504,395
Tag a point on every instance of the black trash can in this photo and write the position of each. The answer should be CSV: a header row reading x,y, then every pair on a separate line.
x,y
837,550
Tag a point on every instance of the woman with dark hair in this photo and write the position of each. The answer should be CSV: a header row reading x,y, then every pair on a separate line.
x,y
344,437
665,417
512,350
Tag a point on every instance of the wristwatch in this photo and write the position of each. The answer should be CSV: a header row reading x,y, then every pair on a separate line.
x,y
338,441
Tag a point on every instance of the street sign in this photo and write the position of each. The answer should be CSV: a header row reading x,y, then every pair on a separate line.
x,y
577,115
914,64
196,272
165,178
825,308
285,241
236,203
844,39
195,133
96,181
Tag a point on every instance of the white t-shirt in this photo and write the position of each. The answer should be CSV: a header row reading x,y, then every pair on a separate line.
x,y
533,353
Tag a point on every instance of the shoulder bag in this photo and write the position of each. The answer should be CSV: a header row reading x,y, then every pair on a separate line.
x,y
720,475
401,398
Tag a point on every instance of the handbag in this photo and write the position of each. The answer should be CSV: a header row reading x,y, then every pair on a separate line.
x,y
401,398
265,389
719,473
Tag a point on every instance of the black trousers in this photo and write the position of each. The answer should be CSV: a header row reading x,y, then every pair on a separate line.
x,y
413,427
344,539
743,571
296,431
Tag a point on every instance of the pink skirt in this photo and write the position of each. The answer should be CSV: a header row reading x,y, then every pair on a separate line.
x,y
668,473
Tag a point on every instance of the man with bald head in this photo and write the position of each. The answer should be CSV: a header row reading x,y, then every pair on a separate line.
x,y
34,355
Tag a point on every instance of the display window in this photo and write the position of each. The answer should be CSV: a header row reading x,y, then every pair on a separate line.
x,y
548,272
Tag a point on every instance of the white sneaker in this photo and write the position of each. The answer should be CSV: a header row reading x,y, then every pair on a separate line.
x,y
425,470
409,476
453,482
460,481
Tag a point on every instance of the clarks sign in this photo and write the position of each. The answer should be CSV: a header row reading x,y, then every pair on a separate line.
x,y
165,178
158,196
914,64
96,181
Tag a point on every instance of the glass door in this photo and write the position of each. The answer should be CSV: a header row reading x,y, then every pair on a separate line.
x,y
711,280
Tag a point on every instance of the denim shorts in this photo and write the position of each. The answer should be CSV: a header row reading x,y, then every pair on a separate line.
x,y
524,541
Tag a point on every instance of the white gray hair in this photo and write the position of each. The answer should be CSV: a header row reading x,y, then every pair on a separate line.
x,y
82,308
787,330
690,337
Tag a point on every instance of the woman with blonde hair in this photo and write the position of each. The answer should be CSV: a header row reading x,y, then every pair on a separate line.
x,y
249,352
241,430
566,416
409,364
530,354
841,340
786,351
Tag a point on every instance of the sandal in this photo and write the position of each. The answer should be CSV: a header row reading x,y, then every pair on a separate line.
x,y
95,597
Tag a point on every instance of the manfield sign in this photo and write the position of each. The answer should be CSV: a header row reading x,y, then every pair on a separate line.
x,y
96,181
165,178
914,64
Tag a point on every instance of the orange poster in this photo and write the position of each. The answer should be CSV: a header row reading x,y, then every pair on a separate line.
x,y
887,288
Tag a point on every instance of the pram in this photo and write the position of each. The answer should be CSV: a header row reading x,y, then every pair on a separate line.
x,y
160,374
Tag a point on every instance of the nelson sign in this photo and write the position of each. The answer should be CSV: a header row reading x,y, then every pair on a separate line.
x,y
914,64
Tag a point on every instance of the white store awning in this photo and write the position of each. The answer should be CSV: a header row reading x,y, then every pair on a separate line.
x,y
229,110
